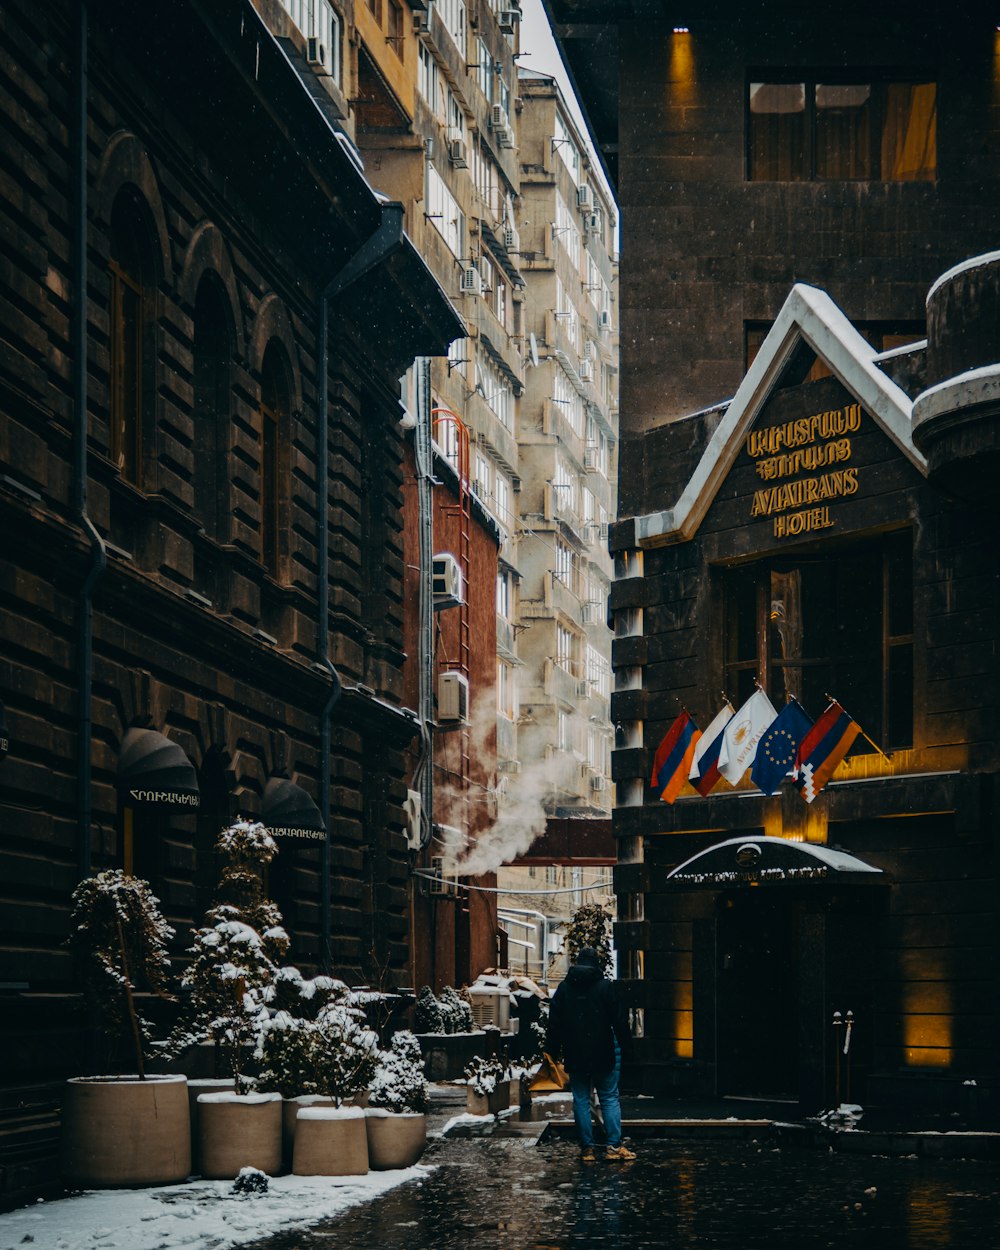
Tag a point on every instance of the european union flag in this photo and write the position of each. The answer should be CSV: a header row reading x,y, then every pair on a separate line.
x,y
776,752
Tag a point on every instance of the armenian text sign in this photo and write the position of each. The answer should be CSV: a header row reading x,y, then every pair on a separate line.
x,y
815,445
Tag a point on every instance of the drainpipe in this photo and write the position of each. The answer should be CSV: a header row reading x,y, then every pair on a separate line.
x,y
423,456
375,249
98,553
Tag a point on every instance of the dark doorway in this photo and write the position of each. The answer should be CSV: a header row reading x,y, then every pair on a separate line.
x,y
758,996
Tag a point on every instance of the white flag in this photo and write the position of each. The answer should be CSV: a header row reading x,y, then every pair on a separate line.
x,y
743,734
708,738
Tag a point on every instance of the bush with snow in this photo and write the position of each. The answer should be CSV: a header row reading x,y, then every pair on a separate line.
x,y
333,1054
251,1181
591,926
484,1073
427,1015
398,1084
120,940
234,958
456,1011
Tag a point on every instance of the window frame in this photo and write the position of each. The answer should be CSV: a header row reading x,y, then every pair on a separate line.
x,y
879,80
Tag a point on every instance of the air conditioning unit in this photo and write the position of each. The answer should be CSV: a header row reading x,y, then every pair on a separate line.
x,y
411,809
504,137
587,369
511,241
604,320
456,153
603,529
598,782
510,767
587,614
446,582
441,886
471,282
588,350
453,699
429,148
509,18
316,54
498,118
583,689
594,223
584,198
590,459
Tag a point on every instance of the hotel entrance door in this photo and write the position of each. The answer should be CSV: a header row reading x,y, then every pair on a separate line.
x,y
758,995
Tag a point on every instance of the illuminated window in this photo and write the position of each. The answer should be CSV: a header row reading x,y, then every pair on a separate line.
x,y
814,130
837,623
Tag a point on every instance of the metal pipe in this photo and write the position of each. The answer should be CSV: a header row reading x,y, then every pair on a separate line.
x,y
98,552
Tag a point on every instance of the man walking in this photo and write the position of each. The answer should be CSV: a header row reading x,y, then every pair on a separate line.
x,y
585,1031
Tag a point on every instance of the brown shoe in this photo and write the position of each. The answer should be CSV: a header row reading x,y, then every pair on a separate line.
x,y
587,1155
619,1154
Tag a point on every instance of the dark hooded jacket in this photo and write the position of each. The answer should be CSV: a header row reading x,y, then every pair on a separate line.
x,y
584,1020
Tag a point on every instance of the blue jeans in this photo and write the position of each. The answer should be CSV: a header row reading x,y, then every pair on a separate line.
x,y
606,1084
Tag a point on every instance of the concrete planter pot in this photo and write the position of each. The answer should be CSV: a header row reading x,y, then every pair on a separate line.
x,y
488,1104
395,1139
197,1087
290,1108
330,1141
123,1131
239,1131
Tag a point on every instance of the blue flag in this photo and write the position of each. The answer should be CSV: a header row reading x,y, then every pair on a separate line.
x,y
775,758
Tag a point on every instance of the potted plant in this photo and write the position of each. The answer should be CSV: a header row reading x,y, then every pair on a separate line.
x,y
233,962
488,1086
342,1052
396,1120
293,1062
123,1130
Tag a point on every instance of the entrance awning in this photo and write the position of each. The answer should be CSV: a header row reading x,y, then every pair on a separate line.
x,y
153,771
761,860
289,812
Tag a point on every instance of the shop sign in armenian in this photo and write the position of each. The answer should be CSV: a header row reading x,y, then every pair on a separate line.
x,y
818,445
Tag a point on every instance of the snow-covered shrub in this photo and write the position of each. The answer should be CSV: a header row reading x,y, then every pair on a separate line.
x,y
251,1181
398,1084
483,1074
591,926
120,942
302,997
235,953
456,1012
344,1051
285,1047
427,1015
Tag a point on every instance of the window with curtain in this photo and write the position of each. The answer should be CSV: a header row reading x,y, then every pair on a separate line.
x,y
130,329
838,624
212,357
275,406
846,129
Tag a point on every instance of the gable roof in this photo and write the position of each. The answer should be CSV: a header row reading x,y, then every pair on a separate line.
x,y
808,316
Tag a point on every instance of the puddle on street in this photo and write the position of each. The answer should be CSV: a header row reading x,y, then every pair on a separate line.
x,y
493,1196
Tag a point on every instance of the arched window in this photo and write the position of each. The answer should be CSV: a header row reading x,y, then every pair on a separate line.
x,y
275,405
212,359
131,348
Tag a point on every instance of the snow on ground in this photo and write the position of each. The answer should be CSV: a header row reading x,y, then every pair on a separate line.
x,y
202,1215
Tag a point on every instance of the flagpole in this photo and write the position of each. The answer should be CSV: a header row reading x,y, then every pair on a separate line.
x,y
863,734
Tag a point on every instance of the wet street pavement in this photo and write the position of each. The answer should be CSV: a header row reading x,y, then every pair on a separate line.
x,y
509,1193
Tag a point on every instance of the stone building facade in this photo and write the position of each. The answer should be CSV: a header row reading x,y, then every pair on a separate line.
x,y
201,500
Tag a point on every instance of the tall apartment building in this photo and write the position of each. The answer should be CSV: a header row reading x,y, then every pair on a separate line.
x,y
493,176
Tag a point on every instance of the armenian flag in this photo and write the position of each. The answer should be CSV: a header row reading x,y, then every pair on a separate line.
x,y
672,761
704,771
822,749
775,758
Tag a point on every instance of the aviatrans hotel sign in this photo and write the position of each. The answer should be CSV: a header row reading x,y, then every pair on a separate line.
x,y
817,445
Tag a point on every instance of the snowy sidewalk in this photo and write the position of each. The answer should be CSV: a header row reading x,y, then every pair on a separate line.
x,y
206,1214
